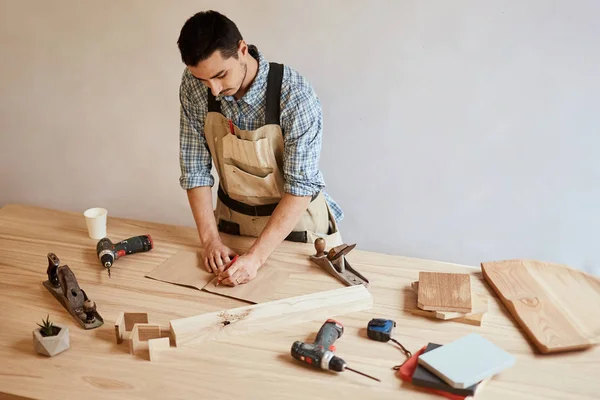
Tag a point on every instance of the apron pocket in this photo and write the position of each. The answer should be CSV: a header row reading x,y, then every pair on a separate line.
x,y
242,185
229,227
251,171
253,155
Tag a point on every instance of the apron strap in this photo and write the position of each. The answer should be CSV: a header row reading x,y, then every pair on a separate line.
x,y
273,99
213,104
246,209
273,93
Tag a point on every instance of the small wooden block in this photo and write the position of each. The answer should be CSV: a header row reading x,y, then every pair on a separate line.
x,y
125,322
120,327
156,345
440,291
135,318
140,335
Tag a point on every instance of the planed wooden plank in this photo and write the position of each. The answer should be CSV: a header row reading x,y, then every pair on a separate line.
x,y
440,291
220,324
554,304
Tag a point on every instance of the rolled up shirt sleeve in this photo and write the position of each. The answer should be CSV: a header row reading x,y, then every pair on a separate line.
x,y
194,156
302,124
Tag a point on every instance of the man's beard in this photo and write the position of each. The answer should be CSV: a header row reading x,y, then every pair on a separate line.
x,y
245,68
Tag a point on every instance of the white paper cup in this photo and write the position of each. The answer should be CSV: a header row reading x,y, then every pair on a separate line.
x,y
95,218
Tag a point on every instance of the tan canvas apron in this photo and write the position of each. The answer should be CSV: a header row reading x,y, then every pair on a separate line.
x,y
250,168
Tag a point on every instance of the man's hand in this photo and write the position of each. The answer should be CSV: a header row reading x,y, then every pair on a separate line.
x,y
243,270
217,256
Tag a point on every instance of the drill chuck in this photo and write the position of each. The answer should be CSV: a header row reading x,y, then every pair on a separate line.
x,y
317,356
107,258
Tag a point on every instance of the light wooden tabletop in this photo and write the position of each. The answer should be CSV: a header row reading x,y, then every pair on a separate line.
x,y
252,366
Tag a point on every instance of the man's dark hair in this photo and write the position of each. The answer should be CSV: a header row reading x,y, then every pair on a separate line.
x,y
204,33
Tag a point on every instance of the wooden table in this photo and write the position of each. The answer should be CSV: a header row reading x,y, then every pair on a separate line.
x,y
256,365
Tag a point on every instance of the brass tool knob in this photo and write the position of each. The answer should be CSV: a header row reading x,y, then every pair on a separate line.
x,y
89,307
320,247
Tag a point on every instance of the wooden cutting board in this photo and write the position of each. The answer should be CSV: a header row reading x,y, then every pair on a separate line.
x,y
558,307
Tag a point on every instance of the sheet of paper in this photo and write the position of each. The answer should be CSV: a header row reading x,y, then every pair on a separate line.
x,y
258,290
183,268
186,268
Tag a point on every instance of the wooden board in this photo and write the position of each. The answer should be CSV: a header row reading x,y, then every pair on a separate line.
x,y
439,291
221,324
557,307
260,289
183,268
480,306
471,319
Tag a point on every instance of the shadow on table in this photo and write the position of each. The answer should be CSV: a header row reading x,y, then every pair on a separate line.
x,y
108,335
25,346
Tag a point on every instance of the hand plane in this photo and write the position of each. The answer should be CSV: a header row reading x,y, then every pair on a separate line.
x,y
334,262
64,287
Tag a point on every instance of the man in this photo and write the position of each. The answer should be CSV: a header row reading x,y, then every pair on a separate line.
x,y
260,123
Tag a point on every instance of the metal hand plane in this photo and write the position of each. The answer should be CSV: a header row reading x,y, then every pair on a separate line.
x,y
335,263
64,287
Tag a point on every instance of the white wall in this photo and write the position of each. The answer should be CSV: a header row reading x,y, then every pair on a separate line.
x,y
461,131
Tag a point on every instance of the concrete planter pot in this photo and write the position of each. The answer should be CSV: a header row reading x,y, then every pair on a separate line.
x,y
51,345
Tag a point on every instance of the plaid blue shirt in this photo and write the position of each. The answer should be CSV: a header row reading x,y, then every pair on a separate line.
x,y
301,123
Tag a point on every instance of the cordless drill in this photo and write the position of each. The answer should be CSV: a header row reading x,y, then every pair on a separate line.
x,y
320,354
108,252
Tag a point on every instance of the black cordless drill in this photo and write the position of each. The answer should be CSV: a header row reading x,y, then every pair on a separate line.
x,y
320,353
108,252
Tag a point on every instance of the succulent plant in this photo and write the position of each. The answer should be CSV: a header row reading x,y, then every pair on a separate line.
x,y
48,328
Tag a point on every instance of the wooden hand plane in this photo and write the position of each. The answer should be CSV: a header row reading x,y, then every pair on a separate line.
x,y
334,262
64,287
